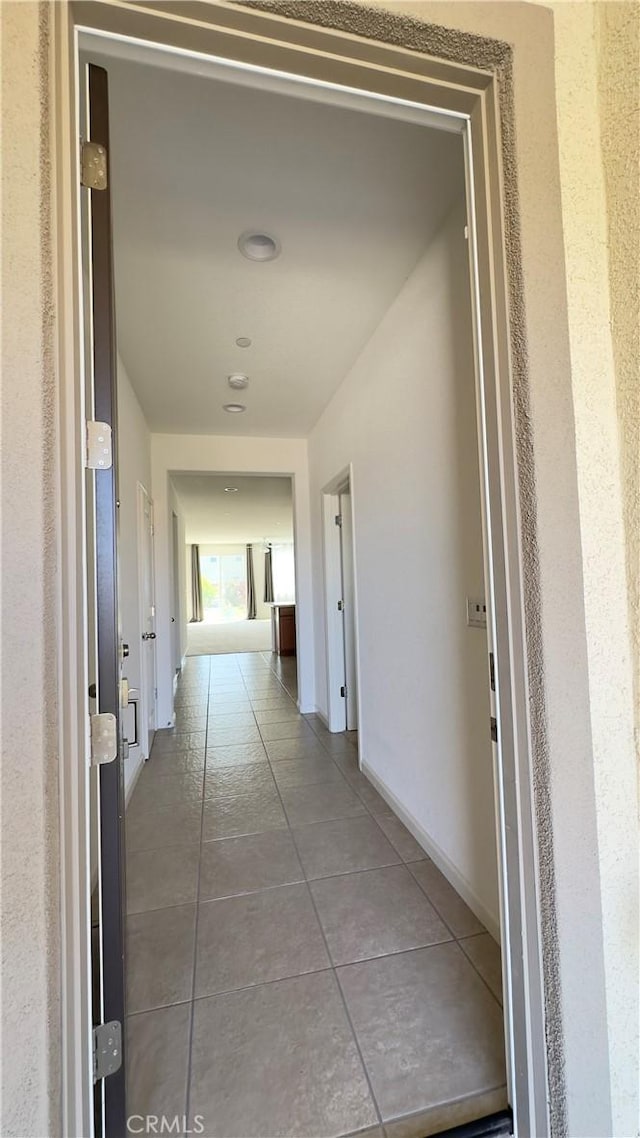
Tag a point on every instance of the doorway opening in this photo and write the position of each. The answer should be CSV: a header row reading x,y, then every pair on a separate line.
x,y
240,561
189,770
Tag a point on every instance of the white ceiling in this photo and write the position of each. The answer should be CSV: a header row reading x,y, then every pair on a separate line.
x,y
262,508
354,199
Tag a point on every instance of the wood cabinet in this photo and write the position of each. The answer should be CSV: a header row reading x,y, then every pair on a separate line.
x,y
283,630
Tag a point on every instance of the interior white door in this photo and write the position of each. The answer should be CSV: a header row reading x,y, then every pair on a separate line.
x,y
147,620
176,550
349,610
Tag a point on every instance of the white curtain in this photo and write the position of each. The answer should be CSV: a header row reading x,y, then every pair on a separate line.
x,y
284,573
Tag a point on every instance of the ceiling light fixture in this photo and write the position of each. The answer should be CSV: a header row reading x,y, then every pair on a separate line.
x,y
231,489
238,381
243,342
256,246
234,408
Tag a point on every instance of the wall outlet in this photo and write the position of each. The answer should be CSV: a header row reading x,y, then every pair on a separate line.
x,y
476,613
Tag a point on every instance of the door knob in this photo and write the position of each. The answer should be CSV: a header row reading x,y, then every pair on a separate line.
x,y
148,635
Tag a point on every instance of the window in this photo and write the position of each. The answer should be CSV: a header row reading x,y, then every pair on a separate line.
x,y
224,587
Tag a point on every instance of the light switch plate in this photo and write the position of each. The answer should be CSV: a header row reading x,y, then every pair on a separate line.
x,y
476,612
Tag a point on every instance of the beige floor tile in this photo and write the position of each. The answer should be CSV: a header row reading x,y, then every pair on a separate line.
x,y
159,955
163,826
291,728
453,910
178,741
245,778
273,703
226,736
320,802
484,954
429,1030
257,937
157,1061
235,755
400,838
343,846
177,762
285,714
155,789
280,749
248,864
305,772
228,721
248,1076
448,1115
252,813
159,878
375,913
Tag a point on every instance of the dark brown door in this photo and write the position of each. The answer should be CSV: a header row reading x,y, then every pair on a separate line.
x,y
108,963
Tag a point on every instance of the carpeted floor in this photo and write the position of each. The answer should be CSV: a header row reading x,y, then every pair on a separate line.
x,y
241,636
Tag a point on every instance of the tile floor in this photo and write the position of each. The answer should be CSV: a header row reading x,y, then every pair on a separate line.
x,y
296,965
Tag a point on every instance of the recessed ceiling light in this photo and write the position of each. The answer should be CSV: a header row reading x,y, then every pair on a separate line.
x,y
258,246
238,381
231,489
234,408
243,342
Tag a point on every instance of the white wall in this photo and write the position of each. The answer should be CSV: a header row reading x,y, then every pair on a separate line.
x,y
134,466
242,455
404,417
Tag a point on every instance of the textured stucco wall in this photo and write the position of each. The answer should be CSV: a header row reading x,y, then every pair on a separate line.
x,y
30,883
618,41
592,302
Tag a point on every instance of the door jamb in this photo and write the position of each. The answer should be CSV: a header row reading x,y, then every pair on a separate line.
x,y
267,40
143,718
336,706
332,590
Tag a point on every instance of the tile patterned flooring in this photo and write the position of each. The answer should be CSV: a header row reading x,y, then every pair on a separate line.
x,y
296,965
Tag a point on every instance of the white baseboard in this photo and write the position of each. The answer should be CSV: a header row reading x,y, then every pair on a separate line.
x,y
316,711
131,785
432,849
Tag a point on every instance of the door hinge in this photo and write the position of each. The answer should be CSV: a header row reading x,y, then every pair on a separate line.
x,y
492,672
93,165
494,729
99,452
466,232
107,1049
340,606
104,738
338,519
343,691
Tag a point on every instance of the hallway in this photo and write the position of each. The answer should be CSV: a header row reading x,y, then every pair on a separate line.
x,y
295,964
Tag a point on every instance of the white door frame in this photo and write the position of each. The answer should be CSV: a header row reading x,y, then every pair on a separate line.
x,y
147,683
405,84
177,552
336,671
332,593
350,607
